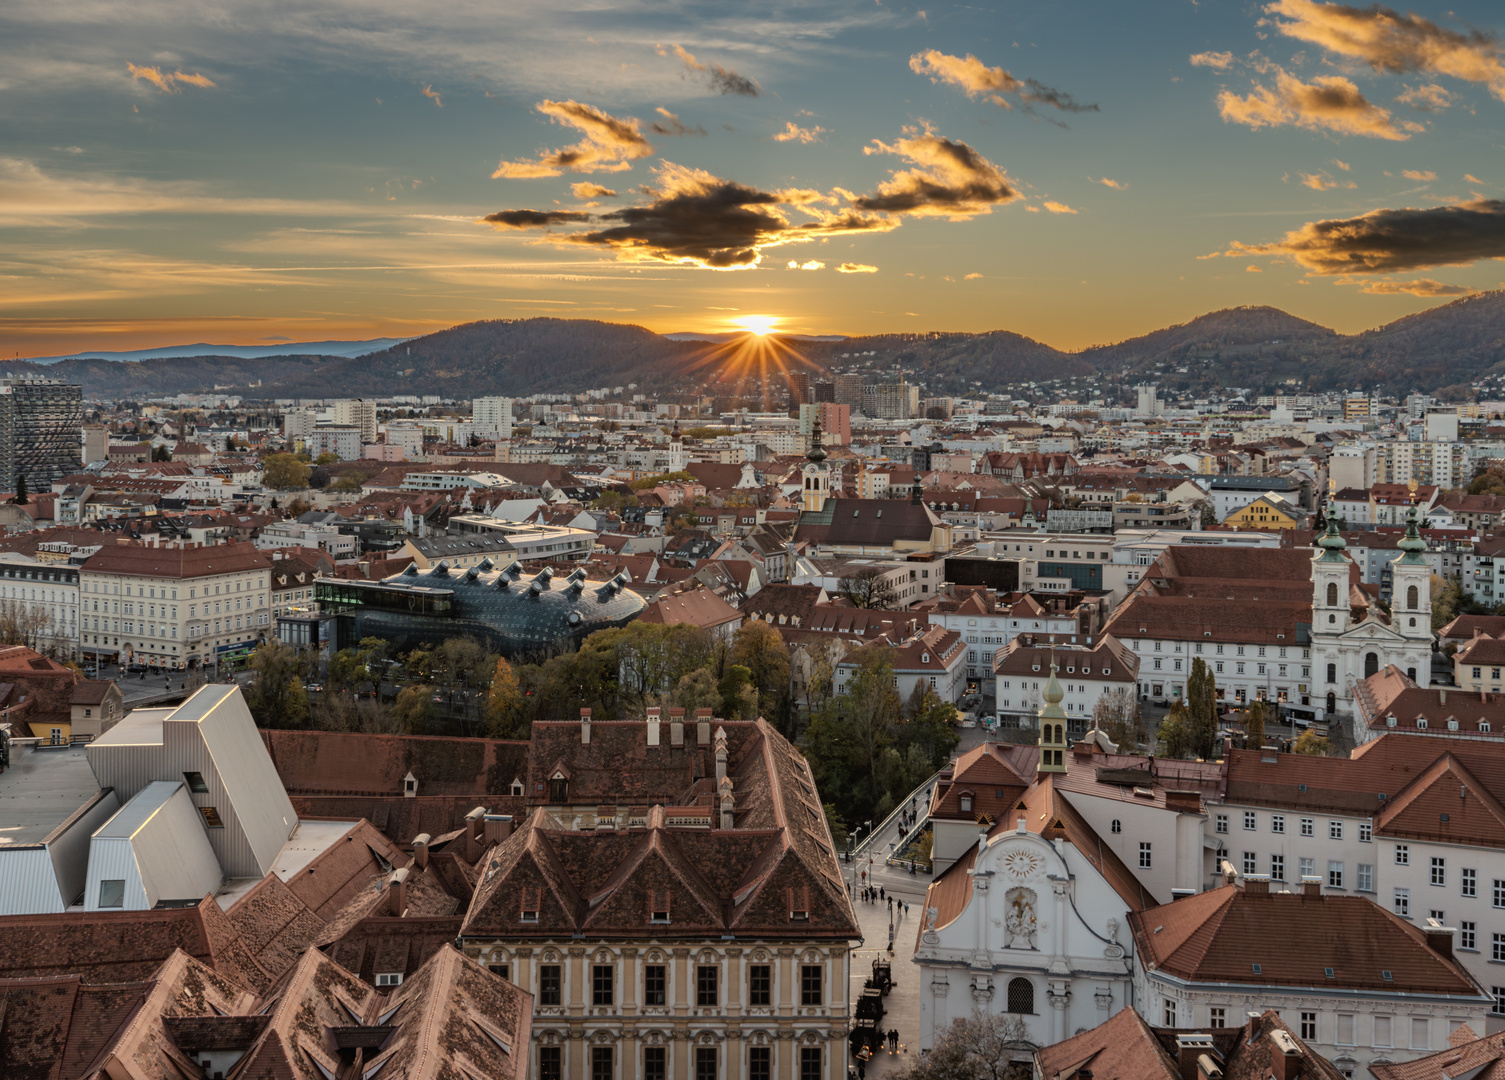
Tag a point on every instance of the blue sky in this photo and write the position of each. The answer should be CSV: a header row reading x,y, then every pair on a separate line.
x,y
241,172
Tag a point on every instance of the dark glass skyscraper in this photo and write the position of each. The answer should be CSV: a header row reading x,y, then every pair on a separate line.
x,y
41,430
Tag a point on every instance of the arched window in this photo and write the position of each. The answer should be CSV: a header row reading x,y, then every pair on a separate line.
x,y
1411,597
1371,664
1117,826
1332,672
1411,673
1021,996
1332,701
1332,594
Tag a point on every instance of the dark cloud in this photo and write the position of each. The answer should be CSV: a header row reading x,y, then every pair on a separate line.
x,y
951,180
672,126
533,219
1394,241
720,79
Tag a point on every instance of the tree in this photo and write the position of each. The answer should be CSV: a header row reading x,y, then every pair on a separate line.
x,y
837,826
869,587
1309,742
739,697
318,477
758,647
1175,735
1447,598
504,702
929,732
21,497
413,712
1207,516
1254,726
1202,709
328,457
697,690
161,453
277,698
284,471
984,1046
1116,714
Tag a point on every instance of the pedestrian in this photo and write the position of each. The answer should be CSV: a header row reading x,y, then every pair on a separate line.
x,y
906,907
880,892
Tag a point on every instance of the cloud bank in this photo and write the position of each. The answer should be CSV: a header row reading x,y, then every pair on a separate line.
x,y
1394,240
950,179
1329,103
1419,287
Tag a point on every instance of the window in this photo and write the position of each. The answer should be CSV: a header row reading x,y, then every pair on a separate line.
x,y
1144,855
1251,863
195,782
1364,878
760,1063
1439,870
1249,820
1468,936
601,1063
1345,1029
1116,827
1335,830
548,984
706,986
550,1063
655,1063
388,978
1382,1030
211,817
1309,1026
705,1063
1499,891
966,804
1403,903
1277,823
1402,855
1277,867
1308,827
1366,832
1498,992
810,1063
653,984
1221,823
1168,1011
1307,867
810,979
1469,881
1334,875
504,970
601,984
112,893
1217,1016
760,984
1419,1040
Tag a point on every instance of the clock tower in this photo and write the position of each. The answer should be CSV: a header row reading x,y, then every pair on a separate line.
x,y
817,474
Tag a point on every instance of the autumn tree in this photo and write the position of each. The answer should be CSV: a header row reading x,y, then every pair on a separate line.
x,y
413,712
1309,742
504,702
1116,714
284,471
276,698
1176,736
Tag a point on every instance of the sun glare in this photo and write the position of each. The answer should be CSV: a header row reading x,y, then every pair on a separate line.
x,y
761,325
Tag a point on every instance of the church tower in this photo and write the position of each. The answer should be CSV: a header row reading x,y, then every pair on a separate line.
x,y
1052,726
1411,591
1330,582
817,474
677,460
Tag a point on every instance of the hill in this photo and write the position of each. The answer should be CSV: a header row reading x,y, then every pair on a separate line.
x,y
1258,347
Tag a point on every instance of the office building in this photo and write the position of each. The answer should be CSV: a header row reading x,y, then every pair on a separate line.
x,y
41,430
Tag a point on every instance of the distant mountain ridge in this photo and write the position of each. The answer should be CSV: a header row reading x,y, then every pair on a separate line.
x,y
242,352
1262,348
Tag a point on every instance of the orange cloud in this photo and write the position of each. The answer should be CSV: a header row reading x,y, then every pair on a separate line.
x,y
1418,287
671,125
951,180
433,95
1390,41
1428,98
975,79
611,144
1116,185
1220,60
794,133
1322,181
1419,175
586,190
856,268
168,81
1058,207
813,264
1328,103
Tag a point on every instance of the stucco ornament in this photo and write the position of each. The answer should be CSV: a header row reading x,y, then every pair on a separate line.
x,y
1019,921
1020,863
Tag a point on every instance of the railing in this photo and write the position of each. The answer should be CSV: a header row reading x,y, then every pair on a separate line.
x,y
898,809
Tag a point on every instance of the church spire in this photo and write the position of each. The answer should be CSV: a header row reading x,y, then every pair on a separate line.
x,y
816,453
1052,725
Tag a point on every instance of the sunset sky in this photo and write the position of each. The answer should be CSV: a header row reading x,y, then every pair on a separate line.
x,y
246,172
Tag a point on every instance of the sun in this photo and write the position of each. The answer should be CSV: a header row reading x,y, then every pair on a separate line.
x,y
759,325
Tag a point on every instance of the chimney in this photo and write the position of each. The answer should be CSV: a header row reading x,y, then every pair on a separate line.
x,y
1311,886
585,727
398,897
1439,938
1442,697
1285,1055
475,822
653,726
1189,1048
676,727
720,755
421,850
1251,1026
703,726
727,802
497,828
1257,885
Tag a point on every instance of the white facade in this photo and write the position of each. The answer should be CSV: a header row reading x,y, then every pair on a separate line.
x,y
359,414
154,849
42,599
492,415
343,441
1039,937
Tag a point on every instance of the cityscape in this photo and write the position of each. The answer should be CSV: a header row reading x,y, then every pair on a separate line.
x,y
795,542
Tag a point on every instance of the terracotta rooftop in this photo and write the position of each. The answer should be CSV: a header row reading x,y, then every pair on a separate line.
x,y
1467,1056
